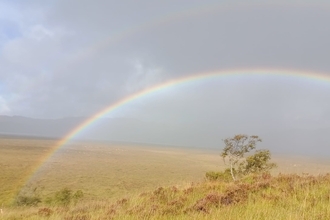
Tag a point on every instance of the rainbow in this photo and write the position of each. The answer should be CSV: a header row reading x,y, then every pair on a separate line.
x,y
87,52
319,77
186,79
183,80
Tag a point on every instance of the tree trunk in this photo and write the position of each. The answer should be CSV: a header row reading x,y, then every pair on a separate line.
x,y
231,171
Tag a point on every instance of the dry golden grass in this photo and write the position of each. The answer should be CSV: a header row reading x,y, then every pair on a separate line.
x,y
100,170
150,182
17,158
255,197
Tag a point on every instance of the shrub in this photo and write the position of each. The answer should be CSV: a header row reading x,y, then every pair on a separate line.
x,y
45,212
257,163
77,196
27,200
65,197
216,176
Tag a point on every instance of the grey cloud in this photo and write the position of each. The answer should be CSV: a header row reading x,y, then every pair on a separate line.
x,y
252,37
74,58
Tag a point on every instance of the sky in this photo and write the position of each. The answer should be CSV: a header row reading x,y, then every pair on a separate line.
x,y
74,58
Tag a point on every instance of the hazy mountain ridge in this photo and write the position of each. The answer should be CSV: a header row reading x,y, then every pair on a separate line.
x,y
290,140
18,125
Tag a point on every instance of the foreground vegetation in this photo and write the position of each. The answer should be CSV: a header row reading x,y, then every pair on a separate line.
x,y
253,197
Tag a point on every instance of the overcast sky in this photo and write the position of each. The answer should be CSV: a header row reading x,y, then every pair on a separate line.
x,y
73,58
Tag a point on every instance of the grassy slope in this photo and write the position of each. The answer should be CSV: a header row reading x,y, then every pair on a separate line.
x,y
263,197
114,177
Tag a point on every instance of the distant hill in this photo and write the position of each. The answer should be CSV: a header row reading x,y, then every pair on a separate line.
x,y
18,125
113,129
286,140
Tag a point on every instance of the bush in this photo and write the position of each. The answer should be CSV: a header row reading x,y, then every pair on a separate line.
x,y
219,176
77,196
257,163
65,197
27,200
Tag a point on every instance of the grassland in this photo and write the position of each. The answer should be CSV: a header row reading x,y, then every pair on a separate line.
x,y
100,170
149,182
18,157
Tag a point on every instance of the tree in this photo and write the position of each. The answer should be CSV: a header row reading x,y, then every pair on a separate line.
x,y
235,149
234,153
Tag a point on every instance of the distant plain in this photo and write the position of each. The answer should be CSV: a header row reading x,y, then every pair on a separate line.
x,y
114,170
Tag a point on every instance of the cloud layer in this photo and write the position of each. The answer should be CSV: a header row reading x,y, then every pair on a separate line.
x,y
74,58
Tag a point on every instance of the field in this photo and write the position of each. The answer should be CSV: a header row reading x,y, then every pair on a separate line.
x,y
100,170
139,181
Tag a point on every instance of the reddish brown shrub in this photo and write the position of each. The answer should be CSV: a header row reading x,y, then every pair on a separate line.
x,y
188,190
122,201
203,205
45,212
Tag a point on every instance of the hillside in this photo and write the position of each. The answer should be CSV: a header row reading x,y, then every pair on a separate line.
x,y
255,197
